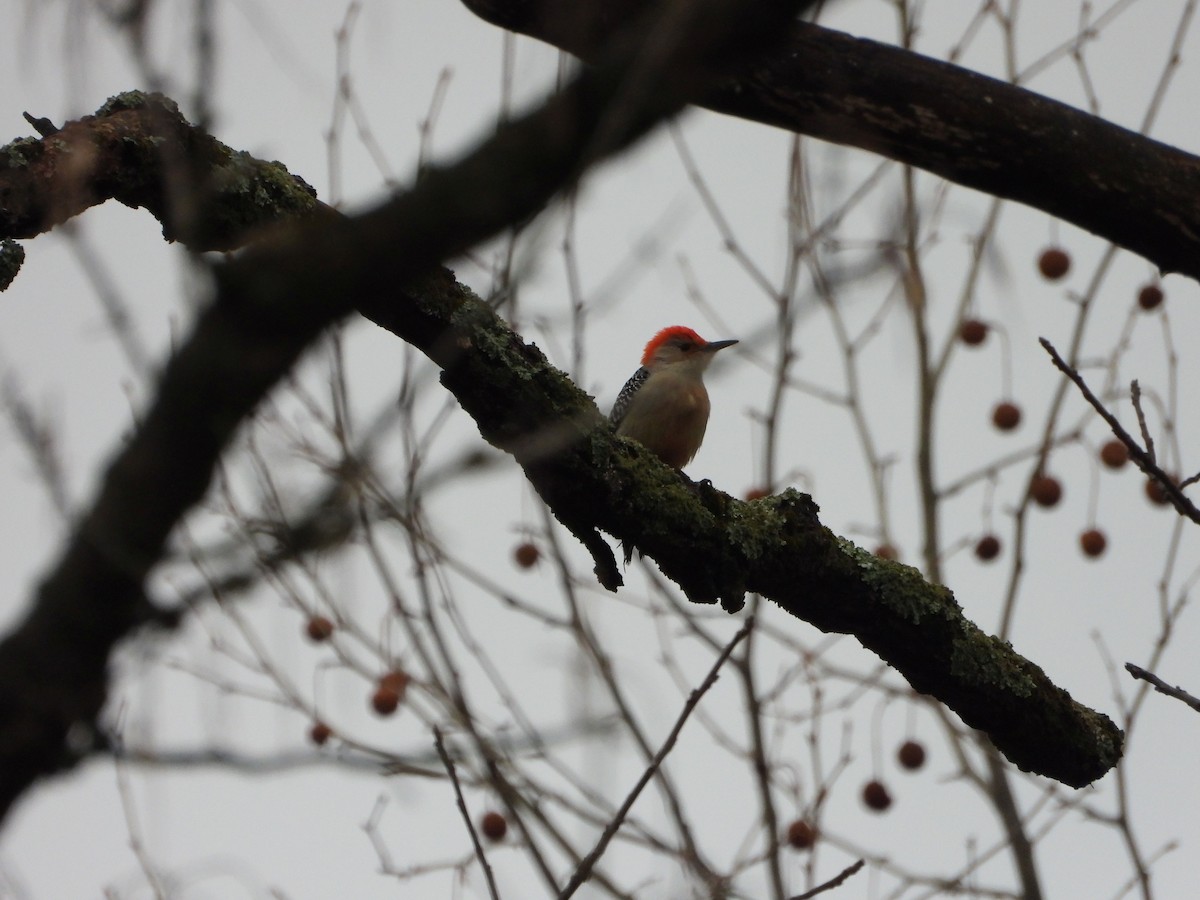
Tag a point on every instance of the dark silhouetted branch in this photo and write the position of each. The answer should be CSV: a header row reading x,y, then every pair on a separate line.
x,y
970,129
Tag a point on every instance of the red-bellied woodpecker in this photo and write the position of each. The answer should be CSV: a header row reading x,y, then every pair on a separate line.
x,y
664,406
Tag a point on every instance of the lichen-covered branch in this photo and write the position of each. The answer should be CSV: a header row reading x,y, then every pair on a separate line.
x,y
138,149
716,548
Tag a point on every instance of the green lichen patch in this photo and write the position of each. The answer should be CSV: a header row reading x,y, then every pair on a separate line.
x,y
902,589
755,528
138,100
979,658
21,153
245,193
12,255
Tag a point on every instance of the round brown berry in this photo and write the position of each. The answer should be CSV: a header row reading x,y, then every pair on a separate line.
x,y
973,332
319,629
494,826
1054,263
1046,490
1150,297
887,551
389,692
385,700
876,796
801,835
1156,493
1006,416
1093,542
1114,454
911,755
319,733
396,680
987,547
526,555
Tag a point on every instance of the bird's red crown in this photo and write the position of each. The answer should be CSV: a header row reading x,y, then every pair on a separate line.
x,y
680,333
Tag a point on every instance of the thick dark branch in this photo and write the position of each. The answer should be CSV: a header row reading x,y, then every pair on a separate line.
x,y
965,127
270,304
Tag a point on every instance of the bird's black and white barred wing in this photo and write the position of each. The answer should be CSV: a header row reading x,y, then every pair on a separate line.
x,y
632,386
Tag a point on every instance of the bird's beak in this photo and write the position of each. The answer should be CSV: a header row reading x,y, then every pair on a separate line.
x,y
714,346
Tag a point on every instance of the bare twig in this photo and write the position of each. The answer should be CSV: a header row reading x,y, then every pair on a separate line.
x,y
833,882
584,870
1135,397
42,125
1144,459
1162,687
462,807
38,433
137,842
758,757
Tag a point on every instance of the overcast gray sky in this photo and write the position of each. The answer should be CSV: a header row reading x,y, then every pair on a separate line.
x,y
644,249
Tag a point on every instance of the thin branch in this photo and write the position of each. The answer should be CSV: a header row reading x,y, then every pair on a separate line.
x,y
137,840
1144,459
462,807
584,870
1162,687
1135,398
836,881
